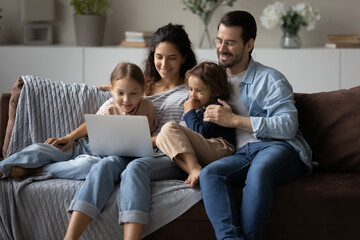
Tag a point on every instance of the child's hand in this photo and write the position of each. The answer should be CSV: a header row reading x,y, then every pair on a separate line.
x,y
191,104
63,143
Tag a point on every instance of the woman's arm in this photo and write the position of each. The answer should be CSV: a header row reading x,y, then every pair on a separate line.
x,y
153,140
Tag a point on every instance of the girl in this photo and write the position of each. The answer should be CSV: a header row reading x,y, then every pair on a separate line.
x,y
169,57
202,142
127,86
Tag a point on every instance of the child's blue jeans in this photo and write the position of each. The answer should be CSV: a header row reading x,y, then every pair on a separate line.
x,y
75,163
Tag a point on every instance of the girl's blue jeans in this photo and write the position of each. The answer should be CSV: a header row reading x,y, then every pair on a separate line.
x,y
75,163
135,186
100,183
258,168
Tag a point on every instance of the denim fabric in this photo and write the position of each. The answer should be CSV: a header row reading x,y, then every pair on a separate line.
x,y
40,154
269,99
101,181
77,168
135,187
258,167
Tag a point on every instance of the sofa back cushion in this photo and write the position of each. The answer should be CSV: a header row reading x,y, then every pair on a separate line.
x,y
14,99
330,122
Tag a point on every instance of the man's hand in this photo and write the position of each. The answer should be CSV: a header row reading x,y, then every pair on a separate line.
x,y
63,143
191,104
223,116
220,115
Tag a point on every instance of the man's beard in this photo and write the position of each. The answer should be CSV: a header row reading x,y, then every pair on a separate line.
x,y
228,64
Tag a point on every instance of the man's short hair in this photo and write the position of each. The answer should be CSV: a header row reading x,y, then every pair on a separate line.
x,y
241,19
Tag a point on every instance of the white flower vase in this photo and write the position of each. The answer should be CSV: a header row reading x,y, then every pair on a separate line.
x,y
290,40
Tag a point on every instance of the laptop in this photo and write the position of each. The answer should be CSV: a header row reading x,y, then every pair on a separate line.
x,y
122,135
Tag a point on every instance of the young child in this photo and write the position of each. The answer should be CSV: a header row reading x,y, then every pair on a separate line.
x,y
70,156
200,143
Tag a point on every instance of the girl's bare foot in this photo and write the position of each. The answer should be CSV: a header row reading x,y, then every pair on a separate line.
x,y
193,178
19,172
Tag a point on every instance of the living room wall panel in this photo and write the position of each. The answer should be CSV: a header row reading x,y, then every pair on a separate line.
x,y
308,70
350,68
99,62
57,63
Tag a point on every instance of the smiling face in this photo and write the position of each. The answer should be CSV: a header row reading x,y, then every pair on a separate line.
x,y
198,91
168,61
233,56
127,93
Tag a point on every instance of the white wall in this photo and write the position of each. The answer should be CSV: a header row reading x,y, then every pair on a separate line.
x,y
337,17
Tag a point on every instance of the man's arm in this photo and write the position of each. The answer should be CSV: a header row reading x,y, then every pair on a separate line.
x,y
223,116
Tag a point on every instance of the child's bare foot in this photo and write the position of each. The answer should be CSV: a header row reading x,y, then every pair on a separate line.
x,y
19,172
193,178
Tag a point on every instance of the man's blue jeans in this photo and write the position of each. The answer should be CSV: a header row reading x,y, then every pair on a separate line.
x,y
257,167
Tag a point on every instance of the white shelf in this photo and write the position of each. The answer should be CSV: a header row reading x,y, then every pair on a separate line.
x,y
307,69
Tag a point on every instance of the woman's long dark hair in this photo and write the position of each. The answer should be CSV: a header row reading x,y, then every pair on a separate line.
x,y
175,34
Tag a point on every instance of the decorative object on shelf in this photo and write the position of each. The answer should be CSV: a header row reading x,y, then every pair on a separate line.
x,y
290,20
38,26
205,10
343,41
90,21
137,39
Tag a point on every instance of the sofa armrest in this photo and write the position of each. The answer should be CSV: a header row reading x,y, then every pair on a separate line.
x,y
4,116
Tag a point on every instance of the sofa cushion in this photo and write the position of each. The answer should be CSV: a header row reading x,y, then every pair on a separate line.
x,y
330,122
318,205
15,95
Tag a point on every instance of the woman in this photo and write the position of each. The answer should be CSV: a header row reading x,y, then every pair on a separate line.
x,y
170,56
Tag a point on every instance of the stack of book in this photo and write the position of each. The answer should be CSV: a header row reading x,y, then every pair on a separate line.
x,y
137,39
343,41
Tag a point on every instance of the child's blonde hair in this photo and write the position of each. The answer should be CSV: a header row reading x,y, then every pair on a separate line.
x,y
126,69
214,77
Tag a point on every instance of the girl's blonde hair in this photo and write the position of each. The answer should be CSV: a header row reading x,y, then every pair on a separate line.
x,y
214,77
126,69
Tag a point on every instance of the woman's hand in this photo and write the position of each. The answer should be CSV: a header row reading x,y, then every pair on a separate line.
x,y
103,87
63,143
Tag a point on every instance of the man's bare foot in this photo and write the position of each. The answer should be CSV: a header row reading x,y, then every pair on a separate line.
x,y
193,178
19,172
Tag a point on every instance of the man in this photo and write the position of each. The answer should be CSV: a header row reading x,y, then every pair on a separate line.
x,y
270,149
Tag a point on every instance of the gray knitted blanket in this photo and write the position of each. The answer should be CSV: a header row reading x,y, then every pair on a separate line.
x,y
36,207
51,109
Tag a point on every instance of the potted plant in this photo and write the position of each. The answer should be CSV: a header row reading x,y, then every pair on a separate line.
x,y
205,10
90,20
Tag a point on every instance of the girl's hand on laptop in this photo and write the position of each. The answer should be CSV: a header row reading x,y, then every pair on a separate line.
x,y
63,143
